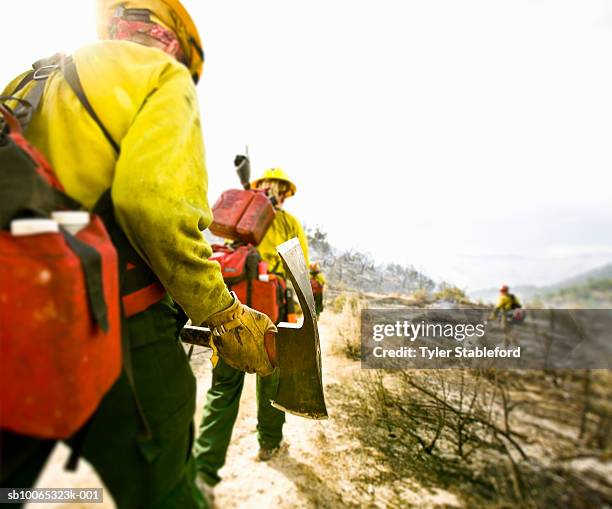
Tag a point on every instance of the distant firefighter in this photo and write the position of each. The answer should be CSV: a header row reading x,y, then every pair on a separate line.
x,y
317,282
510,312
506,301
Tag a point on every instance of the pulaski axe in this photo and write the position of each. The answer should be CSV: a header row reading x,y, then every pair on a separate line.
x,y
300,386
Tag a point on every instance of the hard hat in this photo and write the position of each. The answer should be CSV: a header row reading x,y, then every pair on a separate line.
x,y
169,13
504,288
314,267
276,174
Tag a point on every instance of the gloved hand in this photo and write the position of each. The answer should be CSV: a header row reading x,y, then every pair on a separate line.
x,y
238,335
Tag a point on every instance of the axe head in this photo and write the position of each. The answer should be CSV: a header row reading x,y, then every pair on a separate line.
x,y
300,386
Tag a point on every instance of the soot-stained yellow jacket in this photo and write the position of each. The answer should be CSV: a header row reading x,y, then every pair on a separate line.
x,y
283,228
507,302
148,103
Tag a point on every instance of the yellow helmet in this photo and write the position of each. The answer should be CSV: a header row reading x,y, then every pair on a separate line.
x,y
276,174
169,13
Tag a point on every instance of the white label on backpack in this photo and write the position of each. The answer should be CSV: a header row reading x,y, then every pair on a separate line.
x,y
21,227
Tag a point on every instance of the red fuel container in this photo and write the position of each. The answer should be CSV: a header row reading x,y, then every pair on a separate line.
x,y
227,212
242,215
256,219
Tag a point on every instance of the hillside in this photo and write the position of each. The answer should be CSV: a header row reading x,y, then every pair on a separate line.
x,y
591,289
434,439
358,271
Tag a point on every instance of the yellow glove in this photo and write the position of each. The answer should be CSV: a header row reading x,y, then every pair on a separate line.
x,y
238,337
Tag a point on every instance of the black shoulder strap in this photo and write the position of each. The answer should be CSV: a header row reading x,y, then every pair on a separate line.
x,y
70,74
42,69
29,104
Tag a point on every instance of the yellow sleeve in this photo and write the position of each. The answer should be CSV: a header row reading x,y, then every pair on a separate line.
x,y
160,195
321,279
299,233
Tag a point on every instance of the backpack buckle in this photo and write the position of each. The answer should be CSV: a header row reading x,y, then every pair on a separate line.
x,y
42,73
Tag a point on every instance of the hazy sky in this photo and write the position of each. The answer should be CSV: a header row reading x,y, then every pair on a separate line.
x,y
471,138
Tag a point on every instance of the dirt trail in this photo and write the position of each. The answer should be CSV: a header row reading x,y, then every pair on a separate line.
x,y
316,471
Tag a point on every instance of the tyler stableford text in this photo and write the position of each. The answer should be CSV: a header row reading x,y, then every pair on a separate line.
x,y
424,331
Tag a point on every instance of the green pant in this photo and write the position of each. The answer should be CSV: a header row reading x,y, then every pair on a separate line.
x,y
220,412
149,473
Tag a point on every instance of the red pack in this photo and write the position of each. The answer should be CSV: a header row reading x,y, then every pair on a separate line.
x,y
317,288
60,327
239,267
57,363
266,296
243,215
237,264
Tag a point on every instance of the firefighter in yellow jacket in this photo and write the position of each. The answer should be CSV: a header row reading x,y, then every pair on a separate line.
x,y
284,227
147,149
223,398
506,302
317,283
507,305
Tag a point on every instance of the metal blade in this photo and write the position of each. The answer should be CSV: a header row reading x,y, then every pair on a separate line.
x,y
300,387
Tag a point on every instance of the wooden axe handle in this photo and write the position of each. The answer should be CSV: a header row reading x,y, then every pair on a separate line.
x,y
200,336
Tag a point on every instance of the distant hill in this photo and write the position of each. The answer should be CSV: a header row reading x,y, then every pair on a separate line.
x,y
592,289
598,274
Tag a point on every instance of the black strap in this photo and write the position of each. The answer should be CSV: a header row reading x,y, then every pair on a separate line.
x,y
91,263
290,305
42,70
133,279
77,443
126,253
275,268
25,109
126,352
25,80
22,104
70,74
249,292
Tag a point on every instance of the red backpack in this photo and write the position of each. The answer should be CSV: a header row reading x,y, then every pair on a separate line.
x,y
61,295
317,288
240,270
